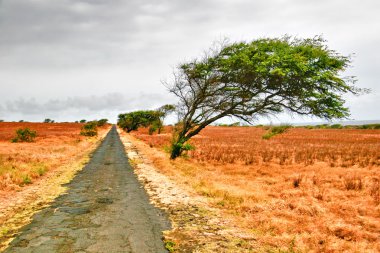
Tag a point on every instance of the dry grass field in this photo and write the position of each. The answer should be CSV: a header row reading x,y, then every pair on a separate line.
x,y
23,163
308,190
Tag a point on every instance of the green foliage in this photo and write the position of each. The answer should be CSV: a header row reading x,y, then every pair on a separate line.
x,y
41,171
24,135
82,121
170,246
89,129
145,118
275,131
369,126
26,179
261,78
102,122
153,128
48,121
133,120
1,120
340,126
230,125
336,126
166,109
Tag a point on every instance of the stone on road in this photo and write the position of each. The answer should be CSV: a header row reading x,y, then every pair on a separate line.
x,y
105,209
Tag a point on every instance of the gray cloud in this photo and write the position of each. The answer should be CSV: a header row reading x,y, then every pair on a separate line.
x,y
91,104
61,51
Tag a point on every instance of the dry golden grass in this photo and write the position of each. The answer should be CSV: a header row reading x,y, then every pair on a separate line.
x,y
23,163
309,190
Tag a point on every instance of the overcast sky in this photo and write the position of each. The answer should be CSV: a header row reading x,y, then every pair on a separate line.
x,y
74,59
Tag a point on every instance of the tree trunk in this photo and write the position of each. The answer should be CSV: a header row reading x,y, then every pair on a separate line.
x,y
176,151
177,147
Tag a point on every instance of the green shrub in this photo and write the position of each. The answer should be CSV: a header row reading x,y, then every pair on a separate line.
x,y
275,131
234,124
26,179
370,126
48,121
170,246
89,129
323,126
24,135
336,126
102,122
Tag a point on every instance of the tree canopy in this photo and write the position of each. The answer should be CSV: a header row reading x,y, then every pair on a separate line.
x,y
263,77
145,118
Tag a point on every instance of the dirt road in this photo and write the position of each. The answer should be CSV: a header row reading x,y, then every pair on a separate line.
x,y
105,209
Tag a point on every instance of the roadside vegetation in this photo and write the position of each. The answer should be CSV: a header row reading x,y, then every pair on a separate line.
x,y
89,129
29,150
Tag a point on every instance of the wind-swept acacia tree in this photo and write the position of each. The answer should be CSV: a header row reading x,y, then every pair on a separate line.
x,y
263,77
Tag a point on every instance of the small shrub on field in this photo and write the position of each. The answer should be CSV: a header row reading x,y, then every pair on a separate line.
x,y
89,129
38,170
26,179
24,135
170,246
275,131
